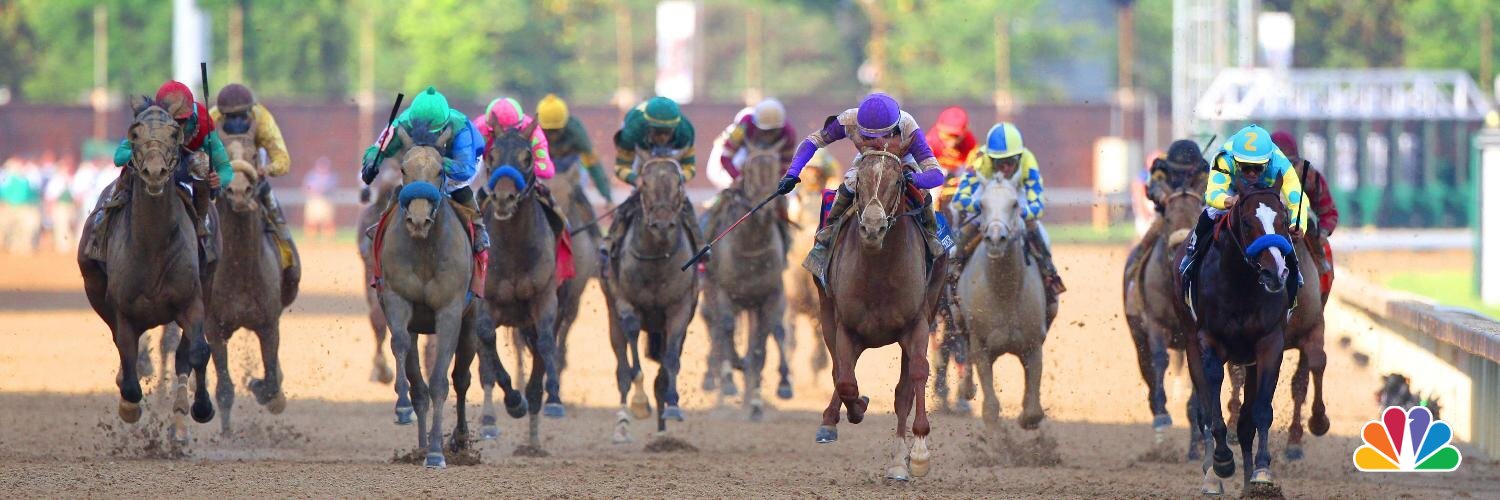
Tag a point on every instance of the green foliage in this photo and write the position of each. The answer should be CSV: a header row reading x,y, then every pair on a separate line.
x,y
1342,34
1448,33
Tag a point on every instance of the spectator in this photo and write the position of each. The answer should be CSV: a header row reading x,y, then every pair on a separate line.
x,y
82,191
317,215
57,200
21,202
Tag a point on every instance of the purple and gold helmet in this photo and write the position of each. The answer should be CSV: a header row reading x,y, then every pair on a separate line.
x,y
878,115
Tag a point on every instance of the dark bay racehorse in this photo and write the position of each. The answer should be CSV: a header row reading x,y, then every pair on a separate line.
x,y
745,275
151,275
250,290
1240,301
521,286
645,290
880,292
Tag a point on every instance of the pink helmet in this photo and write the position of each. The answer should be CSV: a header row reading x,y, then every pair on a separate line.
x,y
506,113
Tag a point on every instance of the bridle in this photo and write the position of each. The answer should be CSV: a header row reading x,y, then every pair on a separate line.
x,y
890,217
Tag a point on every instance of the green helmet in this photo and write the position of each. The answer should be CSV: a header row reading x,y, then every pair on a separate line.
x,y
662,112
430,106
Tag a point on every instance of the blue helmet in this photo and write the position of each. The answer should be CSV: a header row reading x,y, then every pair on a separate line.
x,y
1251,144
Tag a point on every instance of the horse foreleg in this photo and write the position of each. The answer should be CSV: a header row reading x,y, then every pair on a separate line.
x,y
1317,361
218,344
1207,373
845,357
489,421
900,468
534,382
462,358
267,390
546,343
1145,356
671,357
449,331
785,345
917,377
1031,402
398,314
624,374
417,391
195,353
1236,387
1268,362
1213,376
126,338
381,372
1245,429
757,340
1299,396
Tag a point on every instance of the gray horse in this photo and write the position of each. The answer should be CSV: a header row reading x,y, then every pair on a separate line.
x,y
646,290
1004,307
746,276
250,289
152,274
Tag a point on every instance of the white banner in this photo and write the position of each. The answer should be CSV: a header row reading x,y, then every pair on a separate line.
x,y
676,39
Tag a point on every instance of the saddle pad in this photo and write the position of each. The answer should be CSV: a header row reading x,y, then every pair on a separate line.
x,y
828,196
377,280
565,269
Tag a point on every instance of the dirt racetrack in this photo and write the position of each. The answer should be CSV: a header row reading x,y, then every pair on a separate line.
x,y
60,436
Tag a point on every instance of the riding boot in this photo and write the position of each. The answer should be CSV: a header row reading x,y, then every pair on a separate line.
x,y
202,204
1294,279
277,218
465,196
689,219
817,259
968,240
1197,246
1043,254
624,216
928,219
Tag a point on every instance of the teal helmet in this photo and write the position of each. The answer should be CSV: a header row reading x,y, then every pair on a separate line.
x,y
430,106
1251,144
662,112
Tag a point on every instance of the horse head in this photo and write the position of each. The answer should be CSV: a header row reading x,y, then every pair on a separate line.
x,y
763,168
1180,212
1258,224
421,176
242,189
879,186
511,163
662,194
156,145
1000,205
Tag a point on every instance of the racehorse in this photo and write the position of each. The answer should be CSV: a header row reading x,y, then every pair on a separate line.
x,y
645,290
250,290
1004,303
746,276
1239,305
152,274
880,291
1150,296
522,281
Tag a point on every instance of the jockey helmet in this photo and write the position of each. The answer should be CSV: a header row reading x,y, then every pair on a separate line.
x,y
430,106
1003,141
662,112
1251,144
505,112
1185,153
953,120
1285,142
234,98
769,115
878,115
176,99
552,112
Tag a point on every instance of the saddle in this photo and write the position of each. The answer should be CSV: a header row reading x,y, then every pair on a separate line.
x,y
377,234
939,240
559,224
119,194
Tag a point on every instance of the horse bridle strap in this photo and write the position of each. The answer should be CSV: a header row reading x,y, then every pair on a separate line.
x,y
420,190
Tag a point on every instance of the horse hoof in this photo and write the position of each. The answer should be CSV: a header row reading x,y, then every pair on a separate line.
x,y
672,412
130,412
757,413
489,432
1212,485
1261,476
203,411
1030,421
1318,424
1224,468
436,461
1233,439
554,410
856,418
962,407
639,408
784,390
921,458
710,382
404,415
898,473
381,374
1161,422
277,404
729,388
827,434
515,405
1294,453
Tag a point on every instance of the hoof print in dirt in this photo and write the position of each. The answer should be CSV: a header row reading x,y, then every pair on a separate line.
x,y
1262,490
529,451
670,445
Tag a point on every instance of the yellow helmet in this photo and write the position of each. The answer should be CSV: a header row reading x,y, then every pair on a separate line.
x,y
552,112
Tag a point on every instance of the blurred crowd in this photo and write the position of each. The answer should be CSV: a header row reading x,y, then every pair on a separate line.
x,y
45,197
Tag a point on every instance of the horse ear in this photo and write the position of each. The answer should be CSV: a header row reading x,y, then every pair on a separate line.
x,y
530,129
445,136
402,134
139,103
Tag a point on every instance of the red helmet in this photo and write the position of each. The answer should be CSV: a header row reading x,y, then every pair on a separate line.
x,y
176,99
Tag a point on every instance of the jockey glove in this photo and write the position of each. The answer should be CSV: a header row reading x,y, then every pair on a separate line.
x,y
787,184
910,178
367,172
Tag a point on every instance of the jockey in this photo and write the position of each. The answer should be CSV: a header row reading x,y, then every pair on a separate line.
x,y
568,143
716,173
1325,212
506,113
654,127
461,155
878,124
204,152
1006,155
1183,168
237,113
766,125
1251,154
952,143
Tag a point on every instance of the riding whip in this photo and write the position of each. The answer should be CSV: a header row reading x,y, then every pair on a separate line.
x,y
594,222
698,256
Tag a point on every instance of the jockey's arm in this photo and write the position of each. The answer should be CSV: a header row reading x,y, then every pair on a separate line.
x,y
1218,184
1291,195
218,158
733,140
689,161
624,159
586,157
465,151
968,189
929,173
831,132
123,152
268,137
542,165
1032,186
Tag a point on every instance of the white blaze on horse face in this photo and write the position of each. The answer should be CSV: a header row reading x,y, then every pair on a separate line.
x,y
1267,218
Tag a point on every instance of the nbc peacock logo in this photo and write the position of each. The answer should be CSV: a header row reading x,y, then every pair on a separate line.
x,y
1407,441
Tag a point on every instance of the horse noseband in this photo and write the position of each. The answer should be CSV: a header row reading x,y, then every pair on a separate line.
x,y
420,190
